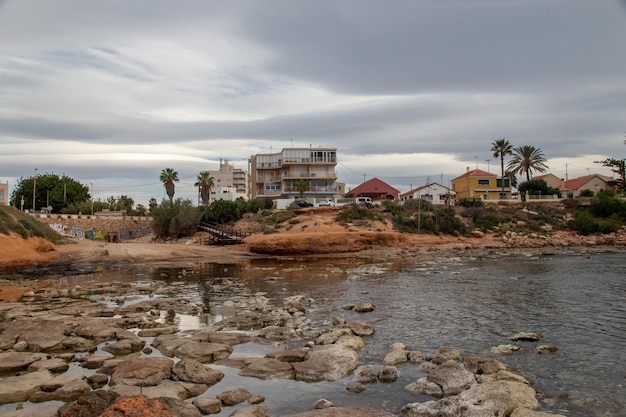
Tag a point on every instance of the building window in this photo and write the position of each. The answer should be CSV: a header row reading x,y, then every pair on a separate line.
x,y
483,182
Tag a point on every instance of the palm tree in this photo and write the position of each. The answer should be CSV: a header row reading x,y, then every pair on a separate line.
x,y
168,178
527,159
512,178
204,183
500,148
302,187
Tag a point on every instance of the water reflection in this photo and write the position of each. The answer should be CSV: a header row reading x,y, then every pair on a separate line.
x,y
577,302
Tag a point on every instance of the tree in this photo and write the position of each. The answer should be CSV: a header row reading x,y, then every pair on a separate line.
x,y
538,187
527,159
618,167
125,203
302,187
500,148
512,178
204,183
168,178
50,190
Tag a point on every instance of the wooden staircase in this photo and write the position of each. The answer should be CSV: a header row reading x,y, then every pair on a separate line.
x,y
220,234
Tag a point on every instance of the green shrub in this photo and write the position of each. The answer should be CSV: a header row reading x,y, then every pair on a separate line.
x,y
585,224
175,220
353,212
481,218
586,193
611,224
448,223
604,205
470,202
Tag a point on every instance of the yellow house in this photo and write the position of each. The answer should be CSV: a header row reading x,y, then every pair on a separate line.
x,y
481,185
4,194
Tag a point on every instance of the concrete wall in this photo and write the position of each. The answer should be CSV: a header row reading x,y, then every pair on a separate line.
x,y
108,228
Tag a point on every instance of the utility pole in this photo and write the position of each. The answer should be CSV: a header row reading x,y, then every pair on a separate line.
x,y
34,188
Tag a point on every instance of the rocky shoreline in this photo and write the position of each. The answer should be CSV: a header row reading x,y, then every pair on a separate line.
x,y
134,360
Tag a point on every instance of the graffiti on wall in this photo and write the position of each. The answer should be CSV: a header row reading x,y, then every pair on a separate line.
x,y
77,232
57,227
125,234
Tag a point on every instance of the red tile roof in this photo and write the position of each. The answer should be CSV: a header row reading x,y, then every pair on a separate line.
x,y
375,187
475,173
576,183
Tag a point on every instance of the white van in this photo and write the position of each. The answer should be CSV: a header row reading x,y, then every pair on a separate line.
x,y
364,200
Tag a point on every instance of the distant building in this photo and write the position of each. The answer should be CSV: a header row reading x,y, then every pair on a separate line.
x,y
552,181
376,189
4,194
481,185
229,177
595,183
279,175
226,193
433,193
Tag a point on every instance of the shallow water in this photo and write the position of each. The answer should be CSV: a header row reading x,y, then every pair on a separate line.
x,y
576,301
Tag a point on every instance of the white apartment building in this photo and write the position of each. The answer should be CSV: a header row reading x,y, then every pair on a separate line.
x,y
229,180
278,175
226,193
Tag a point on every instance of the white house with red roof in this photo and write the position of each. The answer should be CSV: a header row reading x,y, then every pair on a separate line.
x,y
433,193
376,189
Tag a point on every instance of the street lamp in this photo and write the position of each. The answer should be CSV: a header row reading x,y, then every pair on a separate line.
x,y
34,189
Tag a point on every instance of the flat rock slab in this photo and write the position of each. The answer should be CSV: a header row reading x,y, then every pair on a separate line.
x,y
344,412
326,363
142,372
203,352
16,389
18,361
269,368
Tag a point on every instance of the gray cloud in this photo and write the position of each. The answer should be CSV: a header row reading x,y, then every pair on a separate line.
x,y
224,80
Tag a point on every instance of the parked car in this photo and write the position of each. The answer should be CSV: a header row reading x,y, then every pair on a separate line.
x,y
325,202
302,203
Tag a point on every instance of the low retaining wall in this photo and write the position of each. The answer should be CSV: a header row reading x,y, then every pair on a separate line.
x,y
107,228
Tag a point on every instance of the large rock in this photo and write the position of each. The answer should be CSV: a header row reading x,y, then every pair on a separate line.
x,y
190,370
360,329
481,365
166,388
234,396
251,411
180,408
445,354
91,404
16,389
125,346
62,388
137,406
18,361
44,337
268,368
344,412
366,374
47,411
326,363
452,377
142,372
447,407
203,352
497,398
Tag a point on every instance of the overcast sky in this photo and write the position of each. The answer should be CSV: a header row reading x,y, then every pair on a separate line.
x,y
111,92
